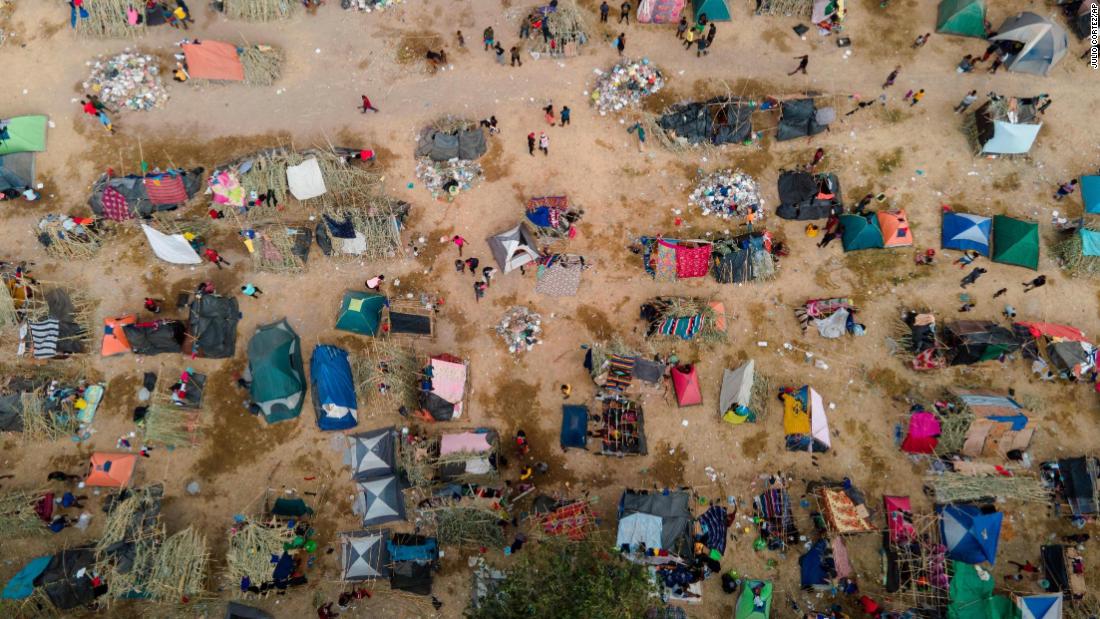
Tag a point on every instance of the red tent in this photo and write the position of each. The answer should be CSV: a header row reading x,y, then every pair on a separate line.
x,y
685,382
898,518
924,432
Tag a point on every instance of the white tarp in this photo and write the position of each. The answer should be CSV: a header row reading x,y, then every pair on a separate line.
x,y
1011,139
171,248
737,386
819,424
833,326
305,180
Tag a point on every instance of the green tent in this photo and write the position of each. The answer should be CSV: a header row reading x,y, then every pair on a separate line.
x,y
972,597
962,17
861,232
716,10
20,138
1015,241
276,371
746,609
361,312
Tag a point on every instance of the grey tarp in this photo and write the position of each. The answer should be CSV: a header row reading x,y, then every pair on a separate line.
x,y
364,555
236,610
137,199
371,454
380,500
11,412
674,510
648,371
61,584
798,119
17,171
1081,23
717,121
1066,355
70,334
1044,43
801,195
213,326
471,144
165,336
736,386
440,146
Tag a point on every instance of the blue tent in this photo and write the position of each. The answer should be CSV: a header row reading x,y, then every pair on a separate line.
x,y
333,388
970,535
963,231
574,426
21,586
422,549
1043,606
812,565
1090,193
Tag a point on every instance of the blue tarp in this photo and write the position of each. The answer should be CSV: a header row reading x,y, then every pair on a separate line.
x,y
574,426
428,551
811,565
333,388
1090,241
540,216
963,231
21,586
970,535
1090,193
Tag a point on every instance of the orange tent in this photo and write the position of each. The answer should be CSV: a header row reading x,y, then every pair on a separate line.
x,y
213,60
110,470
114,338
895,229
720,315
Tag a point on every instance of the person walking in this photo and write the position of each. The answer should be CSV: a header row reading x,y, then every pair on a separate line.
x,y
1043,108
605,8
967,101
548,111
972,277
921,40
105,121
531,143
833,229
471,263
803,62
997,62
1065,189
819,154
566,113
917,96
375,283
711,33
215,258
681,28
689,39
152,305
499,51
181,4
459,243
487,273
1038,282
367,105
487,38
1000,292
250,290
620,43
890,79
624,13
479,291
702,47
966,65
515,56
460,39
544,143
641,135
989,51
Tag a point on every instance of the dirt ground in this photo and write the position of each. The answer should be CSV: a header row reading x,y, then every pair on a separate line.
x,y
917,155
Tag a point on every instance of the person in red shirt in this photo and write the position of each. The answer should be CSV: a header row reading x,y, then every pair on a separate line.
x,y
367,105
89,108
215,258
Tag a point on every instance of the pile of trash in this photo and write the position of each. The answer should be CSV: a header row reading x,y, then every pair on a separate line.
x,y
370,5
447,178
128,80
521,329
728,193
626,84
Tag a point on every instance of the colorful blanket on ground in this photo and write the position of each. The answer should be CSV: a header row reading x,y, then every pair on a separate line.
x,y
692,261
165,189
685,328
226,188
665,267
620,373
114,205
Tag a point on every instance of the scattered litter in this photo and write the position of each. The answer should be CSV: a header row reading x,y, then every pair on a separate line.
x,y
625,85
447,178
128,80
521,329
728,193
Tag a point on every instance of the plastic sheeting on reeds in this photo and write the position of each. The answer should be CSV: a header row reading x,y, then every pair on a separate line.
x,y
260,10
268,172
960,488
167,424
17,514
24,299
387,375
131,518
251,546
263,64
40,423
684,307
786,8
1070,252
180,567
375,217
568,30
107,20
75,242
465,525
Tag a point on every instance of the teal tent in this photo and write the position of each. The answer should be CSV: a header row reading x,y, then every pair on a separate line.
x,y
962,17
20,138
972,596
716,10
361,312
861,232
1090,193
276,371
1015,241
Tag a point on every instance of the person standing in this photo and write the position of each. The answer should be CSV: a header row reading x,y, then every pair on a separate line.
x,y
367,105
890,79
471,263
701,45
1065,189
548,111
966,65
531,143
1038,282
544,143
515,56
459,243
681,28
565,115
921,40
641,135
624,13
917,96
689,38
996,65
620,43
152,305
1043,108
375,283
967,101
832,231
803,62
215,258
605,8
487,273
711,33
479,291
461,39
250,290
487,38
499,51
819,154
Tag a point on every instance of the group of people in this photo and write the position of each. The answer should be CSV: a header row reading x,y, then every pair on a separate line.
x,y
701,35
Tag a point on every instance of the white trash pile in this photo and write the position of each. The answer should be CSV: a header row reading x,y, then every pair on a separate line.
x,y
625,85
521,329
447,178
728,193
129,80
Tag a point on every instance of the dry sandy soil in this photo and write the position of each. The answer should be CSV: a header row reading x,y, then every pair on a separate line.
x,y
335,56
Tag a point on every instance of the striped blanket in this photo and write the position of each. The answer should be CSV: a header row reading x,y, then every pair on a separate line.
x,y
684,328
44,337
620,373
165,189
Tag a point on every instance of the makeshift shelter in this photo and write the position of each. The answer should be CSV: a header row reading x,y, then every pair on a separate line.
x,y
843,508
259,556
68,238
741,398
1015,241
110,470
371,454
972,597
567,29
444,395
569,518
622,428
1041,606
668,259
860,232
257,65
514,247
685,318
551,217
923,433
1064,569
830,316
899,515
974,341
1090,193
259,10
717,121
685,382
379,500
410,319
654,521
814,566
276,371
1073,482
895,228
804,422
961,17
776,519
798,118
574,426
20,138
415,558
156,337
715,10
66,580
1060,349
615,368
361,312
744,258
126,197
971,535
332,388
804,196
236,610
213,326
114,338
965,231
755,600
107,19
467,457
1004,126
1043,42
452,139
364,555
